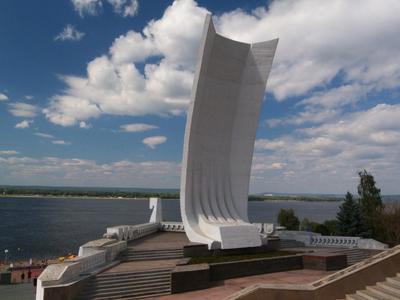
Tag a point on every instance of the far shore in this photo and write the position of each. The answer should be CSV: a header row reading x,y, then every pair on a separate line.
x,y
77,197
251,199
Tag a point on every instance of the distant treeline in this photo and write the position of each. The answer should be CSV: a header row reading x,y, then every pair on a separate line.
x,y
59,192
82,193
294,198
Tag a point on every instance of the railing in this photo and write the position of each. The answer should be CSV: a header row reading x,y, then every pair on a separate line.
x,y
72,268
131,232
91,261
113,250
334,241
317,240
172,226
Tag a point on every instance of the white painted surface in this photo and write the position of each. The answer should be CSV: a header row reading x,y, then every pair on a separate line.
x,y
156,214
222,120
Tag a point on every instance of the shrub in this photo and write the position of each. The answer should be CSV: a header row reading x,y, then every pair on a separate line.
x,y
288,219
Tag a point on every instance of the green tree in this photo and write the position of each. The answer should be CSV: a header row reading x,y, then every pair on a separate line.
x,y
306,225
322,229
329,227
370,201
332,226
349,217
287,218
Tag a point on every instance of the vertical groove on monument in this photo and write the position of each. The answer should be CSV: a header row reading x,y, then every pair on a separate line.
x,y
222,120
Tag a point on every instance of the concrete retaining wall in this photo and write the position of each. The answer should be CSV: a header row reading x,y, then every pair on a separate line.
x,y
199,276
190,277
335,286
221,271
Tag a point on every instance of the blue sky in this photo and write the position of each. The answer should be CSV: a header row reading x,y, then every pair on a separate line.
x,y
94,92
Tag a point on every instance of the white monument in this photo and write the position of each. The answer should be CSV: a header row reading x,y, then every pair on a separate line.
x,y
222,120
156,214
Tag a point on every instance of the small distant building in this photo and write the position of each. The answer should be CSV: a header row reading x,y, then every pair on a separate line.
x,y
24,274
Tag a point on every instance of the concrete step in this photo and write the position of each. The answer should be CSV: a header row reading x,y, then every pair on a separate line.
x,y
395,288
152,254
133,258
143,293
138,273
355,255
138,255
138,295
355,297
131,276
384,293
394,280
370,295
135,281
145,296
156,285
154,251
128,285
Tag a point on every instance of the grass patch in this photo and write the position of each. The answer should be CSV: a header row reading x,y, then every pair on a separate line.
x,y
228,258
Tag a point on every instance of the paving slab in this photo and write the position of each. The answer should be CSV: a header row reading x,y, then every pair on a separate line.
x,y
160,240
23,291
225,288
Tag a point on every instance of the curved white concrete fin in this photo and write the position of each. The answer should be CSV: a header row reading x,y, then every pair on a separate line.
x,y
222,120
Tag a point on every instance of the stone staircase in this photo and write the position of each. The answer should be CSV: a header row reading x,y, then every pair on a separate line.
x,y
128,285
355,255
131,254
389,289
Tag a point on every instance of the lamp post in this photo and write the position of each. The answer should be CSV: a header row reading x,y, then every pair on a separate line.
x,y
5,254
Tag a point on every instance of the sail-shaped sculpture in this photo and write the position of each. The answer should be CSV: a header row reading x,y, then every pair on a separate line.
x,y
221,126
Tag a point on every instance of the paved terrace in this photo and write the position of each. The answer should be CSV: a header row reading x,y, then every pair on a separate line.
x,y
220,289
160,240
225,288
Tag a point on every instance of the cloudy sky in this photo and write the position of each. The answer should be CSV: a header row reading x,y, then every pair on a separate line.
x,y
95,92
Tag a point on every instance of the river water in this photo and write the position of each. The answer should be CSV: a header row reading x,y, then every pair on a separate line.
x,y
44,227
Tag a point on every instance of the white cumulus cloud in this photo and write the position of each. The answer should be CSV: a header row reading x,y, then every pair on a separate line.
x,y
154,141
78,172
330,155
311,53
137,127
60,142
319,39
87,7
24,124
20,109
3,97
44,135
69,33
125,8
113,83
84,125
8,152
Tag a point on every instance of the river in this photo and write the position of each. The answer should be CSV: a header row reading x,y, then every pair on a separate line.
x,y
52,227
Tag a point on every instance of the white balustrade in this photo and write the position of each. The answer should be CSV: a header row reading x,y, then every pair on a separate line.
x,y
172,226
334,241
131,232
